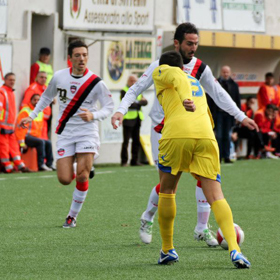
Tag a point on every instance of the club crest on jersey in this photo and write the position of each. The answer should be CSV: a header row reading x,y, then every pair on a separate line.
x,y
61,152
73,89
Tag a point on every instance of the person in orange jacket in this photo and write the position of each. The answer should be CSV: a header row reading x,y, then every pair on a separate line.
x,y
9,148
32,135
264,120
38,87
268,92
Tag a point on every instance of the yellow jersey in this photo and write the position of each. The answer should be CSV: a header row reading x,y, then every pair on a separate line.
x,y
173,86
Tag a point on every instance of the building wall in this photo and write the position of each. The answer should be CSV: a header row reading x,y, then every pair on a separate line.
x,y
20,34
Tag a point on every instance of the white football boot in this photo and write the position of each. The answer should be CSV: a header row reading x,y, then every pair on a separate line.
x,y
145,231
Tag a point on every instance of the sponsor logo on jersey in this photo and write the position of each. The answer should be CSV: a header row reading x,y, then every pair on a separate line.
x,y
89,148
61,152
73,89
188,70
74,83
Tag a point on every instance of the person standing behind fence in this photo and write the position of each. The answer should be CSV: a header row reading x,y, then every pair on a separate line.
x,y
131,125
42,65
268,92
223,121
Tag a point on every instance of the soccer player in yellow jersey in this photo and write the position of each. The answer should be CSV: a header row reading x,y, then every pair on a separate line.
x,y
188,144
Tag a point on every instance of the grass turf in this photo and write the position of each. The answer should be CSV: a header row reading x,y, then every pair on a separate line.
x,y
105,244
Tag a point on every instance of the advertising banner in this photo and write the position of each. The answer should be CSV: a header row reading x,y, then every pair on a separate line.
x,y
5,61
250,15
205,14
3,16
110,15
233,15
124,57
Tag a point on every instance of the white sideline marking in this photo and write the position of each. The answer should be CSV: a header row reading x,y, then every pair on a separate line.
x,y
52,176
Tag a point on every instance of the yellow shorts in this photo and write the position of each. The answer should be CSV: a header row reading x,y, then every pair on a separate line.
x,y
197,156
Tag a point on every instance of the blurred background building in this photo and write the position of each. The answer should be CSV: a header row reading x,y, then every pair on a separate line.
x,y
125,36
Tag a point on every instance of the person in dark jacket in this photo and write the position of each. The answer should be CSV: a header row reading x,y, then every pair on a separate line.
x,y
131,125
223,121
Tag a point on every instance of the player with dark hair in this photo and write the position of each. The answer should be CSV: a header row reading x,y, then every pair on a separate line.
x,y
186,43
188,144
78,91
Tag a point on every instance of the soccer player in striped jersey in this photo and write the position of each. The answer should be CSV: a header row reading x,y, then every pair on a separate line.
x,y
186,39
78,91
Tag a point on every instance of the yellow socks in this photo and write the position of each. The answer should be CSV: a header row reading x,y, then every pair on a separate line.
x,y
223,216
166,217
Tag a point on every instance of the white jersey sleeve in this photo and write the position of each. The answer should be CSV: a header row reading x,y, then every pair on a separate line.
x,y
219,95
46,98
105,98
144,82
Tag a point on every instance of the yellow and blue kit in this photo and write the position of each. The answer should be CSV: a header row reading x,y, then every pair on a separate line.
x,y
188,142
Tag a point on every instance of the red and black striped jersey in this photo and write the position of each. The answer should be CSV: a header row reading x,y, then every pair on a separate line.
x,y
195,68
73,94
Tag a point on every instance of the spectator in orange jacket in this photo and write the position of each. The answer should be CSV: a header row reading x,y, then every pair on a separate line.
x,y
31,136
264,120
9,147
268,93
38,87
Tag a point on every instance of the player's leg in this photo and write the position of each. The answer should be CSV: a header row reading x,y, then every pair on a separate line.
x,y
85,149
206,165
84,164
166,215
201,231
65,171
148,215
223,216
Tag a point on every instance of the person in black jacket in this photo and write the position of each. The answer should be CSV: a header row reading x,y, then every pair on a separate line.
x,y
223,121
131,125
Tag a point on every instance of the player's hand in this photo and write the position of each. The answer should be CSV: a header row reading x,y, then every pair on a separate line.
x,y
86,116
24,122
117,117
250,124
189,105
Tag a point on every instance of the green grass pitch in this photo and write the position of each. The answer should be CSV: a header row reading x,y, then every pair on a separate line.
x,y
106,245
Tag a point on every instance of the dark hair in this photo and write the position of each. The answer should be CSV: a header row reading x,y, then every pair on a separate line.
x,y
269,75
250,97
34,95
76,44
184,28
8,75
45,51
171,58
269,106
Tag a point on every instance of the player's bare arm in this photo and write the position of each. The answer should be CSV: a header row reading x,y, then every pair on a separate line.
x,y
87,115
24,122
250,124
117,117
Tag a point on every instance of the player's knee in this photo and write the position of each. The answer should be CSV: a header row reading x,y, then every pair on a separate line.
x,y
82,177
65,181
